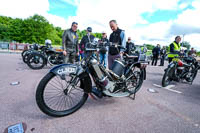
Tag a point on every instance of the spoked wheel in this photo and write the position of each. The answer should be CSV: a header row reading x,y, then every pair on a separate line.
x,y
36,61
57,97
135,81
191,75
25,56
166,79
24,52
52,60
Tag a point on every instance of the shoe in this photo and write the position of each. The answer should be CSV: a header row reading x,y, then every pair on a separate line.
x,y
97,92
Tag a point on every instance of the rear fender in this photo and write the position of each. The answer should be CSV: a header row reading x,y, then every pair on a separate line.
x,y
139,65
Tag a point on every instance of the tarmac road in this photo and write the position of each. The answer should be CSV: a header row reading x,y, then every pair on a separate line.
x,y
166,111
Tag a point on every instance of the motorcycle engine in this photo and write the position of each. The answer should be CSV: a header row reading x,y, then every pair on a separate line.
x,y
103,80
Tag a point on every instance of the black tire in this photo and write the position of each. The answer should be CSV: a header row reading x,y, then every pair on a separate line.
x,y
36,61
193,76
166,79
23,52
48,109
25,56
136,80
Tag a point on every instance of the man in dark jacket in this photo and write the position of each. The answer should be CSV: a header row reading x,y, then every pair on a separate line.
x,y
129,46
162,56
104,43
156,53
70,44
86,39
118,42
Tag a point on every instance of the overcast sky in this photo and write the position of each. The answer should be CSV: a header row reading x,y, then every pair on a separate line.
x,y
145,21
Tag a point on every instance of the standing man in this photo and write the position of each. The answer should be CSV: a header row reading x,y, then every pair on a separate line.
x,y
104,43
118,42
175,48
70,44
129,46
162,56
86,39
192,52
156,53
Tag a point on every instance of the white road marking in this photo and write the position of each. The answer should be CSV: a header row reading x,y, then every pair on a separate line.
x,y
157,85
168,88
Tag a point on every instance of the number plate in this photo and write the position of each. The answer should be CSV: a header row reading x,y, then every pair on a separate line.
x,y
66,70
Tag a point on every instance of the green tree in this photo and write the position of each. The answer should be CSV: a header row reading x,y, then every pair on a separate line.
x,y
36,29
186,44
149,46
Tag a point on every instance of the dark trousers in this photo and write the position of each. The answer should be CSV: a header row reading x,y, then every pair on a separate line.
x,y
111,59
170,59
162,60
70,57
154,60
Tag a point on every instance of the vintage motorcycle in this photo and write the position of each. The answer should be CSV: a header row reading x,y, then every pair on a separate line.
x,y
38,59
66,87
180,69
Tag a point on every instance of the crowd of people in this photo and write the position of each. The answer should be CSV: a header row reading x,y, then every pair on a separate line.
x,y
174,50
115,46
110,48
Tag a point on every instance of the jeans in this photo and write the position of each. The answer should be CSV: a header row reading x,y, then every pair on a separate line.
x,y
81,56
103,59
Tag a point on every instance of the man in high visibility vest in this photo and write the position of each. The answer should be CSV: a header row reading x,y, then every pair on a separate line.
x,y
175,48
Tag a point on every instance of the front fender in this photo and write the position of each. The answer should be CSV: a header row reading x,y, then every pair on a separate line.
x,y
171,69
86,83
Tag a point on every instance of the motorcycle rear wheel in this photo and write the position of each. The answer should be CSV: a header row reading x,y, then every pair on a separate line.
x,y
136,80
52,88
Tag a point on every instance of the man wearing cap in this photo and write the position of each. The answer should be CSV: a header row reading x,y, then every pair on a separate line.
x,y
70,43
86,39
118,43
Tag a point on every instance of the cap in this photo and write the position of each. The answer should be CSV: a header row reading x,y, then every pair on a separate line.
x,y
89,29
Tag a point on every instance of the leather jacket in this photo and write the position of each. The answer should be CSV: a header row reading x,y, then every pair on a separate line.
x,y
70,41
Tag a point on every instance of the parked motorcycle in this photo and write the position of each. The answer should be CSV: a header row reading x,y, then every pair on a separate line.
x,y
38,59
180,69
25,53
66,87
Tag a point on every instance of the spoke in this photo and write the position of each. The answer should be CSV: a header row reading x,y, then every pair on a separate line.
x,y
60,103
60,82
55,87
52,97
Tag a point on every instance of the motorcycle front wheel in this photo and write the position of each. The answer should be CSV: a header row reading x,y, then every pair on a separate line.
x,y
57,97
166,79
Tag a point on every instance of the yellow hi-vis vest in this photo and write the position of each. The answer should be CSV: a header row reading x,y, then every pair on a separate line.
x,y
177,47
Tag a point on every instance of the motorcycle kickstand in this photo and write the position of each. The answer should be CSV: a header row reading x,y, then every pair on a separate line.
x,y
134,94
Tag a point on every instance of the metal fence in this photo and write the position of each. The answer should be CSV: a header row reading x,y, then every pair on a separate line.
x,y
13,46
